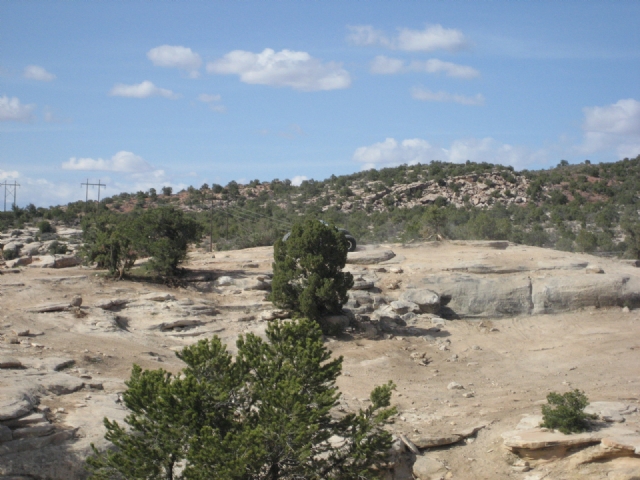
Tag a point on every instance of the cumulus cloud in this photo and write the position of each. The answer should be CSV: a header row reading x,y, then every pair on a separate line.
x,y
428,96
213,102
286,68
298,179
386,66
141,90
615,126
176,57
126,162
433,37
11,110
34,72
391,152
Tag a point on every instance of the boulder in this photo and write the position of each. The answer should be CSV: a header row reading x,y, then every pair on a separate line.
x,y
19,262
8,362
33,431
427,300
61,383
402,306
224,281
14,403
112,303
477,296
427,468
593,269
31,248
65,261
362,284
572,292
369,257
44,261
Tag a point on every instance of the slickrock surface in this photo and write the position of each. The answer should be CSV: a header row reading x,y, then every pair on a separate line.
x,y
505,324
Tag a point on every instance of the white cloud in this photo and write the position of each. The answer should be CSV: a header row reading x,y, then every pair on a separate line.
x,y
12,110
298,179
176,57
34,72
434,65
141,90
212,101
122,161
382,65
417,150
612,127
366,35
286,68
429,96
433,37
386,66
6,175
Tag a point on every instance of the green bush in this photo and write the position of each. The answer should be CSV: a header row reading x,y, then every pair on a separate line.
x,y
566,412
57,248
266,415
307,271
46,227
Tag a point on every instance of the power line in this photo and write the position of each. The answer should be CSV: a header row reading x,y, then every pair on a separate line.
x,y
99,185
7,185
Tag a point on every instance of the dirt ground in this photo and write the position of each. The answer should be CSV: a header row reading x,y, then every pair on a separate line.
x,y
506,365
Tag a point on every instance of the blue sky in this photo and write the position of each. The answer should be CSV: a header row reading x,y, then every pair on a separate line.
x,y
146,94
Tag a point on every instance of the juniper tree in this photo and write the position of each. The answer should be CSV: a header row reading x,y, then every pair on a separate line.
x,y
307,270
267,415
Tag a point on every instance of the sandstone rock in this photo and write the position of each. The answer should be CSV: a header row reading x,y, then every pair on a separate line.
x,y
362,284
185,322
61,383
454,386
76,301
158,297
224,281
593,269
571,292
49,307
8,362
19,262
428,301
538,439
65,261
631,263
480,268
610,411
33,431
54,364
43,261
427,468
31,249
112,303
14,403
402,306
26,421
31,444
368,257
474,296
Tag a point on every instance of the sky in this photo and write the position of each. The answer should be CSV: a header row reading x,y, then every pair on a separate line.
x,y
141,94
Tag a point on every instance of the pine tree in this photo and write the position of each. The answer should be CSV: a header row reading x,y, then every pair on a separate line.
x,y
267,415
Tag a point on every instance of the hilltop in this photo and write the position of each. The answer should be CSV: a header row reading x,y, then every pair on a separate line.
x,y
584,207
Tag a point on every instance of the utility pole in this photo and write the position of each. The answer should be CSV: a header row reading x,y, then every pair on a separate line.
x,y
211,226
8,186
99,185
